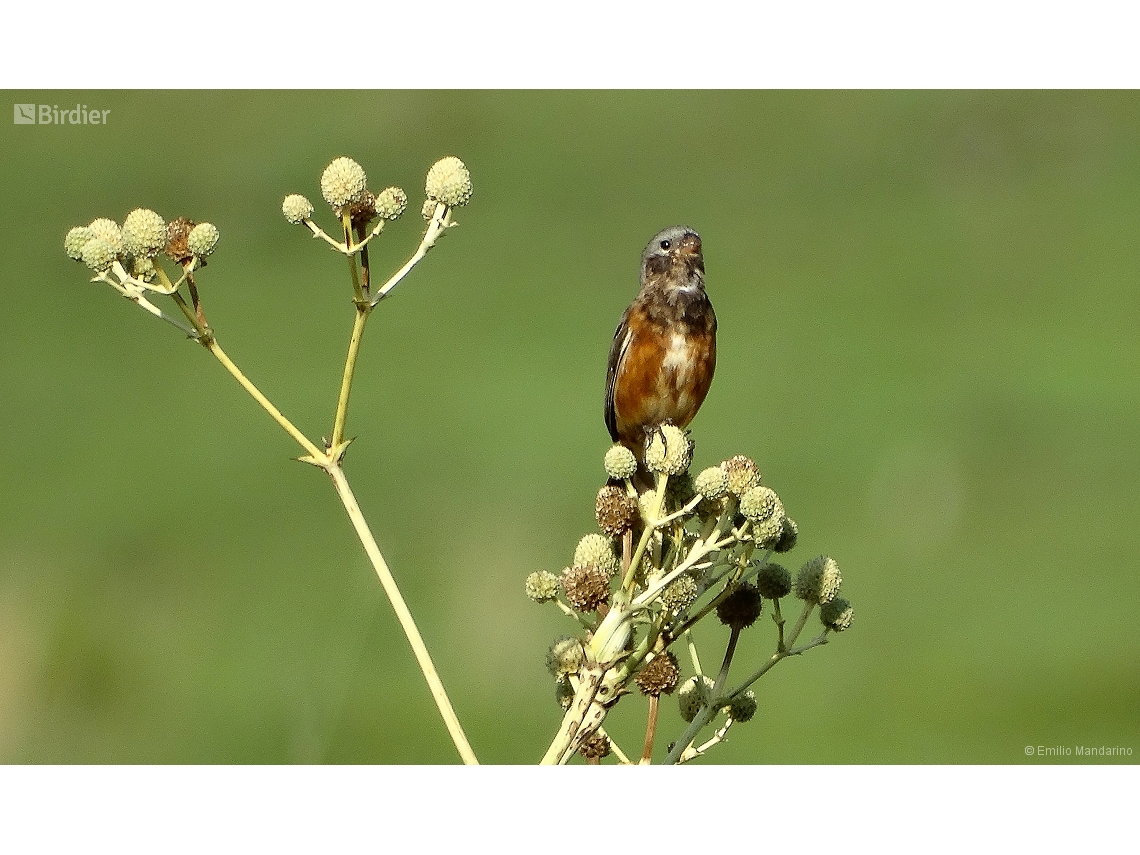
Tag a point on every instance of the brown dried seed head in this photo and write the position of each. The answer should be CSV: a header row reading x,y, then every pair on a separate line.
x,y
660,676
586,586
615,510
595,747
177,239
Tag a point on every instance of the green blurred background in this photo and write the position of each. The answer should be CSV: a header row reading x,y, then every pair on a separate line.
x,y
928,341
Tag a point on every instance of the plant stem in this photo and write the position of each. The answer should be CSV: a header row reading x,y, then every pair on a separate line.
x,y
214,348
407,622
440,222
363,308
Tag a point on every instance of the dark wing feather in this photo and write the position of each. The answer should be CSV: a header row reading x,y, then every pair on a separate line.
x,y
617,351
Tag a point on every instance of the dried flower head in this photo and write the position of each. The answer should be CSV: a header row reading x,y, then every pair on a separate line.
x,y
741,473
615,510
660,676
178,239
595,746
586,587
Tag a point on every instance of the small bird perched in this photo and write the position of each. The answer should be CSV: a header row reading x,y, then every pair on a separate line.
x,y
664,351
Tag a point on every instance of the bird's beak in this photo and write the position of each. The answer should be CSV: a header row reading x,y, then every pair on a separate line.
x,y
689,245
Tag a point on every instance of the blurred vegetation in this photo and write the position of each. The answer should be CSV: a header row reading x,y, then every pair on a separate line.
x,y
928,314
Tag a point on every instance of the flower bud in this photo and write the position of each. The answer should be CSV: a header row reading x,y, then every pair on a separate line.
x,y
818,580
597,550
98,254
202,239
73,243
836,614
542,586
296,208
694,694
620,462
565,656
343,182
741,474
448,181
390,203
740,608
774,581
711,483
144,233
668,450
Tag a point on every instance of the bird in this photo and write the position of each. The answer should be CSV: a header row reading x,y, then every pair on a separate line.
x,y
663,354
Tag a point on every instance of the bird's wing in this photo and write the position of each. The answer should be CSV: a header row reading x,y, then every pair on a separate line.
x,y
617,352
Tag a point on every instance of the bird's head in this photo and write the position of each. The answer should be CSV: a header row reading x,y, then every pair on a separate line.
x,y
673,259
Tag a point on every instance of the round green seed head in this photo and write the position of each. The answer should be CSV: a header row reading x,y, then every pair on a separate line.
x,y
620,462
761,503
73,243
836,613
693,695
679,594
774,581
144,233
668,450
109,231
448,181
711,483
741,474
342,182
788,537
818,580
742,707
740,608
586,587
542,586
597,550
296,208
202,239
565,656
98,254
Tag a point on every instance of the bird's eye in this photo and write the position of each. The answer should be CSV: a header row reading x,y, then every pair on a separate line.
x,y
665,244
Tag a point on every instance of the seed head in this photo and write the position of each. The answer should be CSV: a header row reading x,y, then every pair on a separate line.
x,y
741,474
711,483
390,203
660,676
679,594
620,462
542,586
788,537
448,181
586,587
695,693
178,239
565,656
343,182
818,580
742,707
740,608
595,746
202,239
774,581
598,551
296,208
615,511
144,233
109,231
836,613
73,243
668,450
98,254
